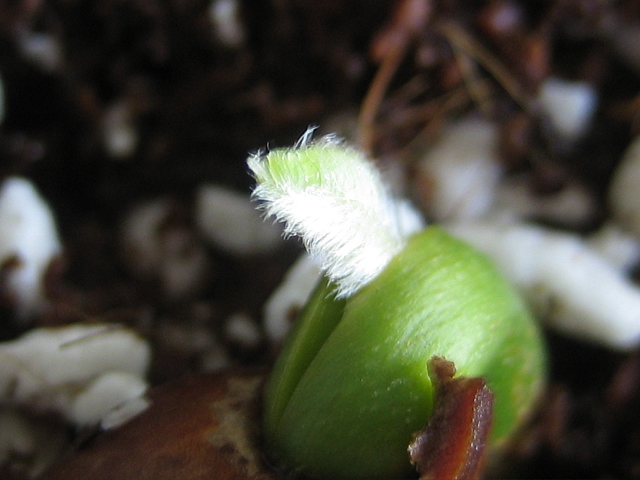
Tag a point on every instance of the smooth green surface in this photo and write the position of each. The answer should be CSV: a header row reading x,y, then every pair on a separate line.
x,y
346,396
320,316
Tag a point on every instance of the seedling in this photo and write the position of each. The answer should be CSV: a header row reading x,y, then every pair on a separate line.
x,y
352,385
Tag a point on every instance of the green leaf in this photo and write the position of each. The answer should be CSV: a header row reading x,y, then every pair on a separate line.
x,y
346,403
318,319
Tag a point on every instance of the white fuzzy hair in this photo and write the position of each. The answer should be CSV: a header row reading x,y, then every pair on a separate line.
x,y
331,196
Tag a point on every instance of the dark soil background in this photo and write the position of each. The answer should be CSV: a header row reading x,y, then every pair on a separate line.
x,y
200,104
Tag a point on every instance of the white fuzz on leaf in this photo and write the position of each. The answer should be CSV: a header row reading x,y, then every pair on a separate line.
x,y
333,197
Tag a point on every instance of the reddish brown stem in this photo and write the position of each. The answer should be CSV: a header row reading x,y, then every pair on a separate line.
x,y
453,444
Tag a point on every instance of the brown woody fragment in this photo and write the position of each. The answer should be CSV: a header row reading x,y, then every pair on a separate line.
x,y
453,444
201,427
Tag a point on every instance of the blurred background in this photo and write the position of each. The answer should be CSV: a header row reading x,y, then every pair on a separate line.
x,y
133,121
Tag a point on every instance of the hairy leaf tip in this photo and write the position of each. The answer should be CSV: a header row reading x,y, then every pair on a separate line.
x,y
331,196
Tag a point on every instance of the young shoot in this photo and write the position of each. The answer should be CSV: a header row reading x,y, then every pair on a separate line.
x,y
352,386
334,199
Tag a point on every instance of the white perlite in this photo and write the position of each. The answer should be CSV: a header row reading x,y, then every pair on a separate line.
x,y
620,248
123,412
29,235
41,49
573,205
567,283
242,330
227,22
107,392
69,369
569,106
461,171
119,132
461,178
229,220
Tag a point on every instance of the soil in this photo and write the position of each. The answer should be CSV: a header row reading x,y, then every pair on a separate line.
x,y
199,101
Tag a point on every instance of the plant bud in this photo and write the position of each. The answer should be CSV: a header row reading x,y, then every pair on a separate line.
x,y
352,386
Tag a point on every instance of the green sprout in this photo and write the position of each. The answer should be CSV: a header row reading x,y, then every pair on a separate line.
x,y
352,386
